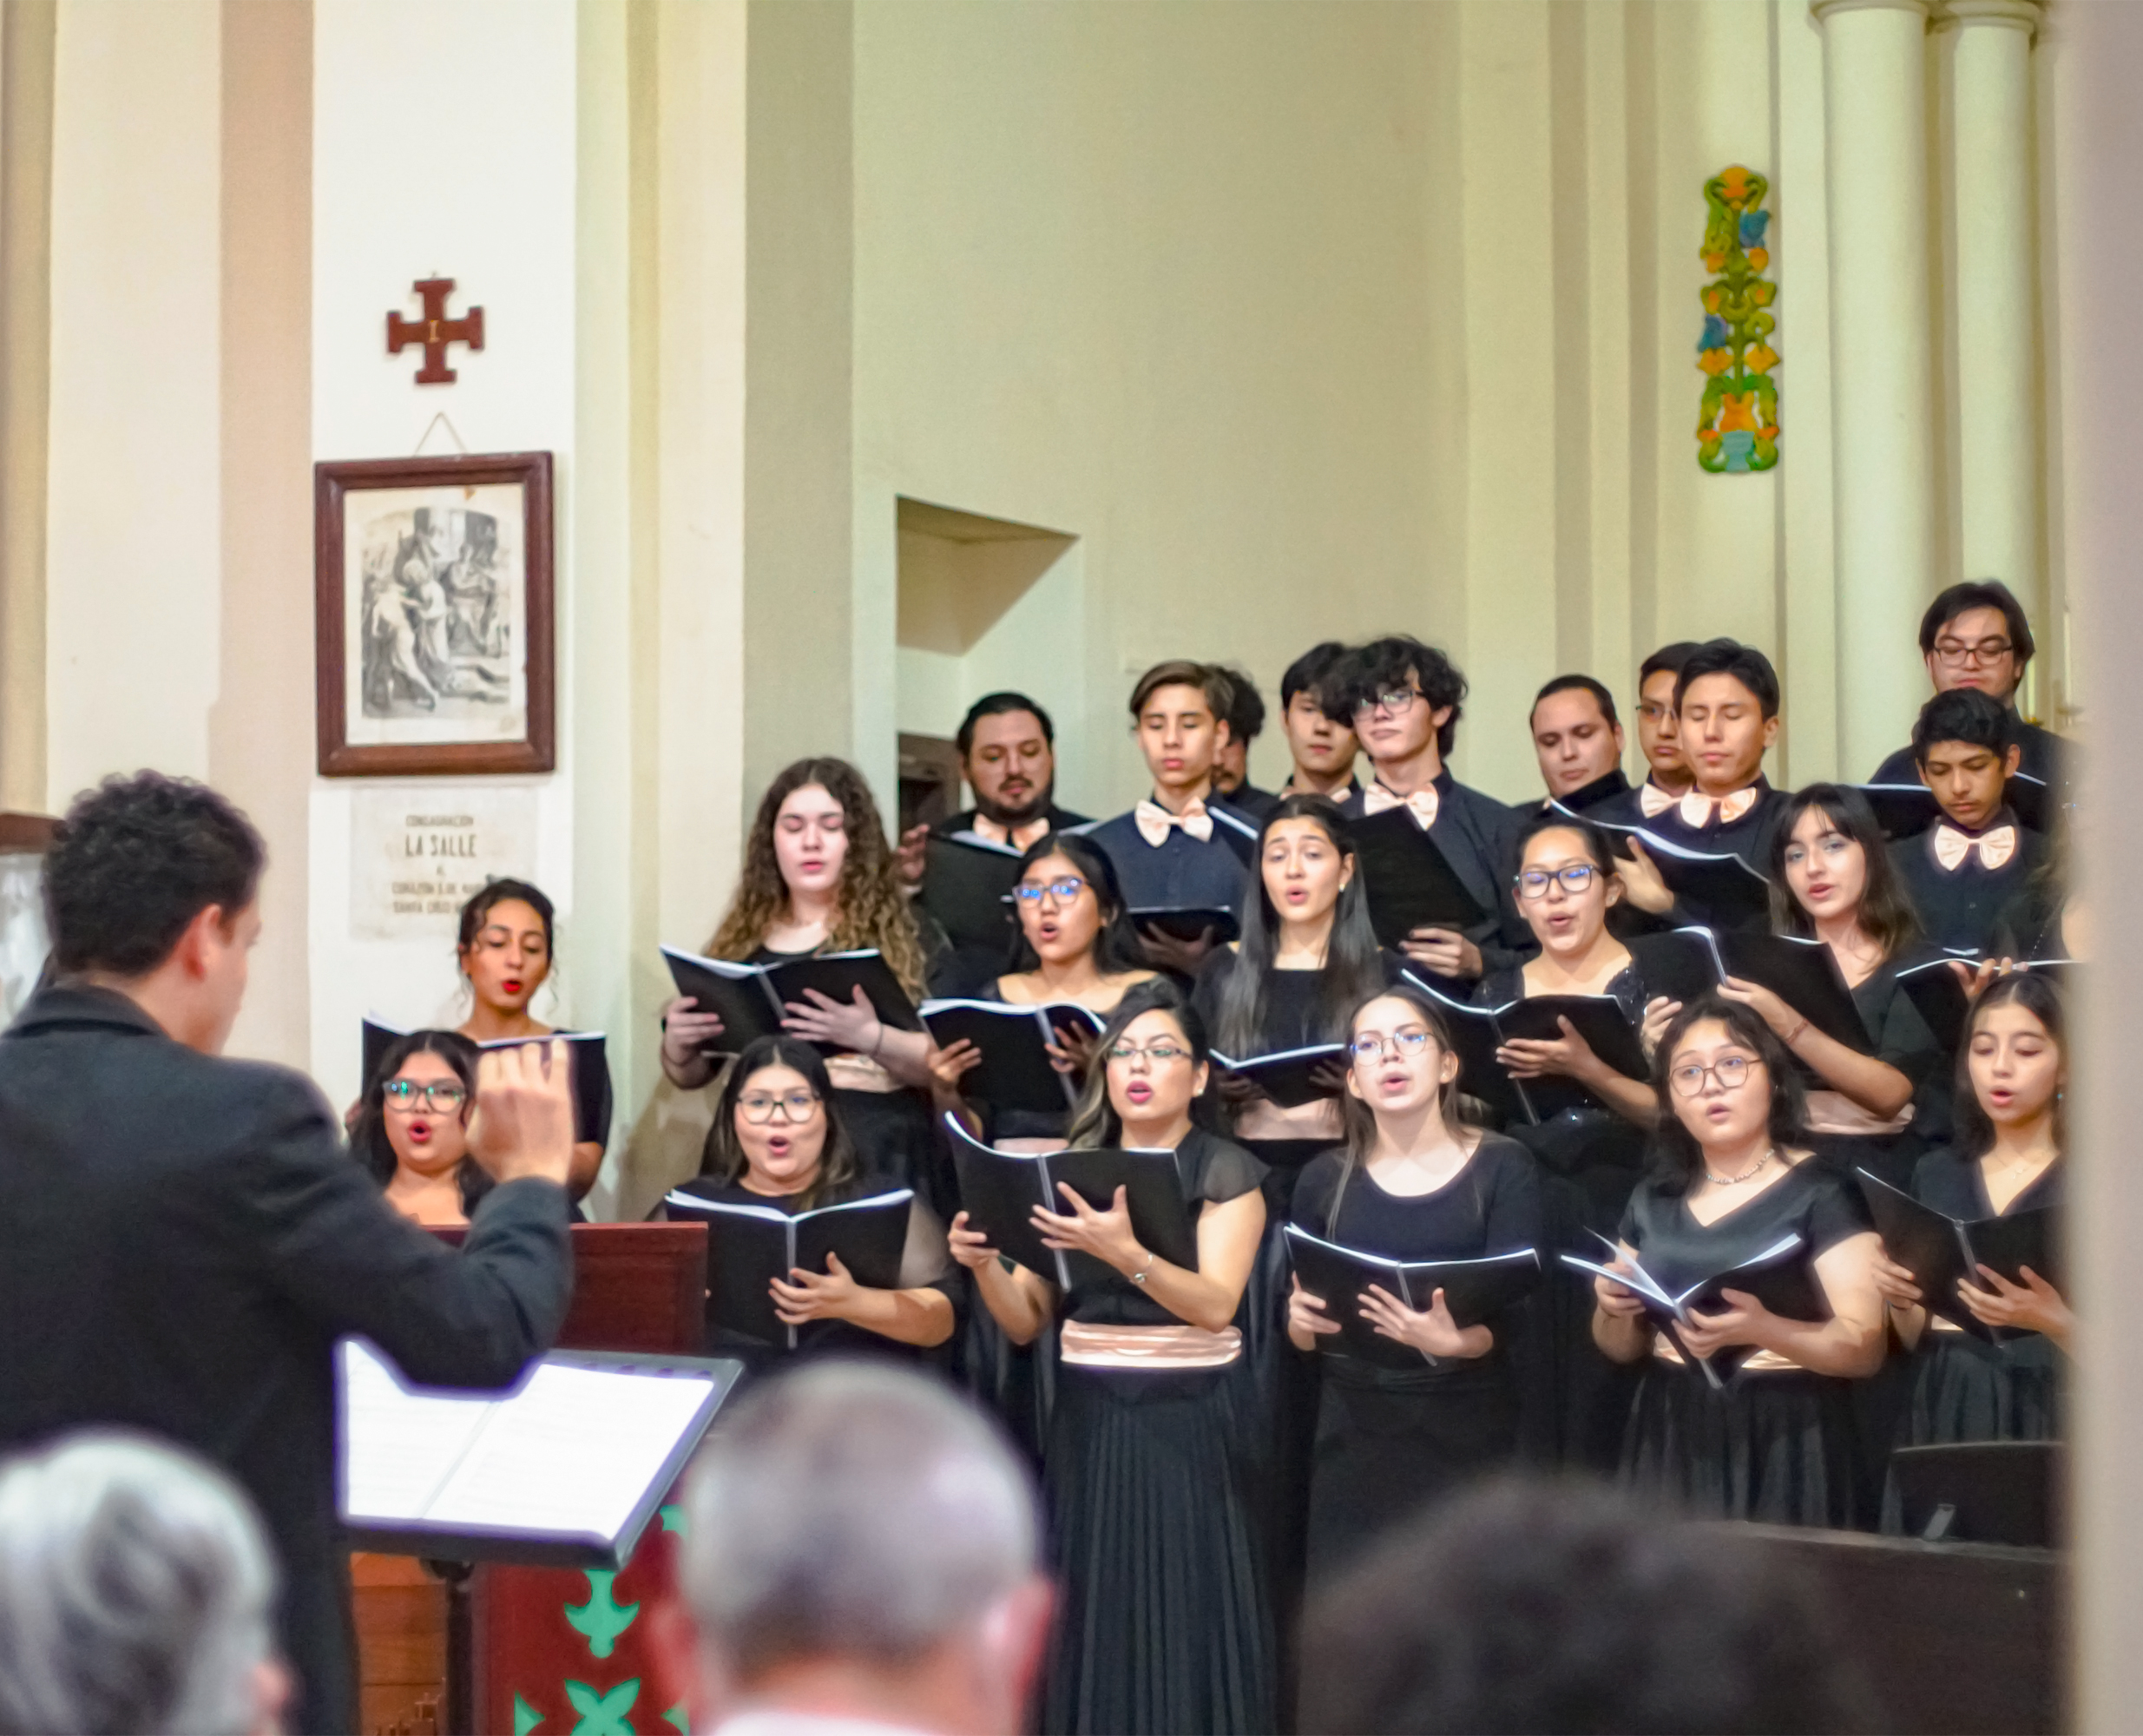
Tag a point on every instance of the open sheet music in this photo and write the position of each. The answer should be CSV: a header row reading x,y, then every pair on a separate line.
x,y
565,1469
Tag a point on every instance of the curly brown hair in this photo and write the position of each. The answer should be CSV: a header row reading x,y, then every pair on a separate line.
x,y
870,908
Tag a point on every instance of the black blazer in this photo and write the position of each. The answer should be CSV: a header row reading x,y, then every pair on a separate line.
x,y
183,1239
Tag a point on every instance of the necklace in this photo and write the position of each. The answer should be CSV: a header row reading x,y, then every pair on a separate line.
x,y
1748,1175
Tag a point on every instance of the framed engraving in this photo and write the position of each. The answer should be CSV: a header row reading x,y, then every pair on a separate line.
x,y
433,615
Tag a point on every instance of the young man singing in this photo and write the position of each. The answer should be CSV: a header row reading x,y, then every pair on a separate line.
x,y
1963,869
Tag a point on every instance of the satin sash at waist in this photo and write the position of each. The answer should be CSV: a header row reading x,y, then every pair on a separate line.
x,y
1086,1345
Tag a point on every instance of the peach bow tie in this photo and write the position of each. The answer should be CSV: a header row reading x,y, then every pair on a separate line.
x,y
1652,800
1154,820
1953,849
1021,837
1697,809
1422,803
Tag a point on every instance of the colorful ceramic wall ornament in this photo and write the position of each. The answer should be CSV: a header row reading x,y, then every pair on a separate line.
x,y
1738,429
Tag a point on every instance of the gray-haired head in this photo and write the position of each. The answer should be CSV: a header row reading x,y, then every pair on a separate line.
x,y
851,1511
135,1589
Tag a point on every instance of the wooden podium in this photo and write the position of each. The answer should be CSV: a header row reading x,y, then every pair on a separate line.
x,y
549,1649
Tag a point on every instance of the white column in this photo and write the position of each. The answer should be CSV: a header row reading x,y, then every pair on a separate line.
x,y
1875,119
1996,278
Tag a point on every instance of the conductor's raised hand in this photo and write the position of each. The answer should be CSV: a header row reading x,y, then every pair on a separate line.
x,y
522,1125
1306,1313
686,1031
1445,951
969,1245
1106,1235
828,1295
852,1025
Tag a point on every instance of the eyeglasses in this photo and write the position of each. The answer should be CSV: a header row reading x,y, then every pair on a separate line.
x,y
1575,877
1731,1071
758,1108
1397,702
1654,709
1958,651
1159,1053
1063,891
1402,1042
406,1094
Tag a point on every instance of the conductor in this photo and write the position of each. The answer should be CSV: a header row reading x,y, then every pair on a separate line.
x,y
183,1238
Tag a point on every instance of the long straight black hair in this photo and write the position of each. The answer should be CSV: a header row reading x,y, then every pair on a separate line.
x,y
368,1136
2036,993
1885,911
724,1161
1353,967
1116,946
1677,1158
1094,1121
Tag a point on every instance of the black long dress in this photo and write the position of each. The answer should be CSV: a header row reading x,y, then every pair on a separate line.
x,y
1390,1440
1165,1624
1776,1445
925,1264
1575,1401
1902,1040
1964,1388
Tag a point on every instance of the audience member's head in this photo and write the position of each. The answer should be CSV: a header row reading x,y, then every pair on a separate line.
x,y
1576,736
1976,635
1008,754
150,884
136,1587
1553,1608
862,1544
1246,721
1657,678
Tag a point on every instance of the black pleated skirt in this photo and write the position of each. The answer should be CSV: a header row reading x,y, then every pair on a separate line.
x,y
1386,1448
1774,1447
1163,1625
1964,1389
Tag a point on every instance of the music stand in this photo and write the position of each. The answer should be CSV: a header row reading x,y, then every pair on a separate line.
x,y
1981,1491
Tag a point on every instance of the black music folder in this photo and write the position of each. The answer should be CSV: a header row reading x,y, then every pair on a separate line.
x,y
967,886
1939,1250
1288,1077
753,999
1475,1290
748,1246
1720,884
1408,881
586,1051
1782,1278
1940,999
999,1191
1015,1071
564,1470
1187,921
1478,1032
1685,963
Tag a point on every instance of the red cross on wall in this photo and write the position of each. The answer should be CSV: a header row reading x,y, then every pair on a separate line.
x,y
434,330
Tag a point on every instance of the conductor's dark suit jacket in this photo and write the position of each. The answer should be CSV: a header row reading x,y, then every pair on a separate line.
x,y
183,1239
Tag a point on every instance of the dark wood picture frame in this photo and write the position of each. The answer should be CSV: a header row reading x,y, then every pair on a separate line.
x,y
332,482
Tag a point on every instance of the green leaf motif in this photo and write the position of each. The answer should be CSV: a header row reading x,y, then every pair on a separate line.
x,y
673,1520
526,1717
602,1714
681,1717
601,1619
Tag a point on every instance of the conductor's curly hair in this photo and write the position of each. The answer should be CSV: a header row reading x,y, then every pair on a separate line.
x,y
871,909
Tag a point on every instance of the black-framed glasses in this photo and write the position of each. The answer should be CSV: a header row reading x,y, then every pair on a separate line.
x,y
1402,1042
1396,700
1960,651
1157,1054
1063,891
1731,1071
407,1095
1575,877
758,1107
